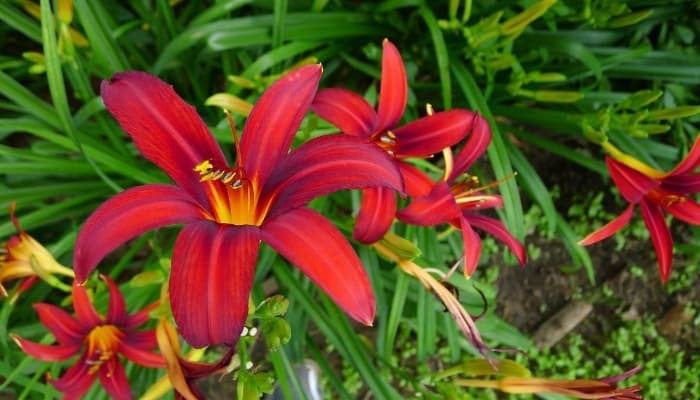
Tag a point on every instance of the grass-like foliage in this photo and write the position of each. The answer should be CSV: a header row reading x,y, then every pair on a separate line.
x,y
331,197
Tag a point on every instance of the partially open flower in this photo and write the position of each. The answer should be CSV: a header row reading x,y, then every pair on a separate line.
x,y
22,257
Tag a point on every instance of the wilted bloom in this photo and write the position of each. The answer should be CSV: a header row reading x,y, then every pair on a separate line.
x,y
457,199
98,340
655,192
24,258
603,388
182,372
228,210
354,116
387,247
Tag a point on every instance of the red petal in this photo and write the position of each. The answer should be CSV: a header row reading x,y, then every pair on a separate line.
x,y
210,281
166,130
141,317
682,184
660,237
500,232
346,110
321,252
475,147
632,184
113,379
417,182
76,381
687,210
274,121
116,310
376,215
609,229
393,89
431,134
142,357
690,162
84,310
328,164
145,340
126,215
438,207
65,328
472,247
43,352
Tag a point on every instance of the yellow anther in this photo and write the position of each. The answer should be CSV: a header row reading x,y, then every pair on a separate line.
x,y
203,167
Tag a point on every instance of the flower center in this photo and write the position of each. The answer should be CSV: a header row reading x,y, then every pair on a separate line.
x,y
386,141
232,195
665,199
102,344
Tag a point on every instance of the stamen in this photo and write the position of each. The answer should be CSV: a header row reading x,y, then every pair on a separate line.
x,y
429,109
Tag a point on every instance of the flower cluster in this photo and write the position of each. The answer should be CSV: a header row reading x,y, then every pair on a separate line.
x,y
230,207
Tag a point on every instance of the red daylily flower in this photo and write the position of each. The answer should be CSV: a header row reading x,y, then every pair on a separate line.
x,y
655,192
229,210
354,116
457,201
98,340
22,257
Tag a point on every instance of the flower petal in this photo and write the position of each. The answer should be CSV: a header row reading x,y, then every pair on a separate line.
x,y
608,229
687,210
393,89
321,252
84,310
346,110
64,327
165,129
113,379
472,247
145,340
376,215
417,182
328,164
633,185
210,281
142,357
127,215
274,121
44,352
682,184
76,381
116,310
430,134
475,147
140,317
500,232
660,237
437,207
690,162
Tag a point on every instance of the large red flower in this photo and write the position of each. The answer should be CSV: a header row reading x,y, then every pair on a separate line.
x,y
99,340
229,210
354,116
655,192
457,199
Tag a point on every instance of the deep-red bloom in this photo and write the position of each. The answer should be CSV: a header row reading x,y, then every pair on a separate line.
x,y
228,210
457,199
655,192
354,116
99,340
